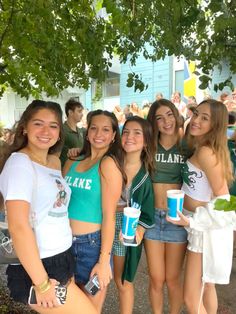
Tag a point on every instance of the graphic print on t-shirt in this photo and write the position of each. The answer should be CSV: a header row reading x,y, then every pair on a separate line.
x,y
61,195
59,208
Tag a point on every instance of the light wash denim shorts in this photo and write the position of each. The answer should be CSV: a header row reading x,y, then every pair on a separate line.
x,y
165,231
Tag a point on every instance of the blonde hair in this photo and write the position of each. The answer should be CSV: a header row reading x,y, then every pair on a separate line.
x,y
216,138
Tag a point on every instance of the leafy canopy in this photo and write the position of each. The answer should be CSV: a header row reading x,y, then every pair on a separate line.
x,y
46,45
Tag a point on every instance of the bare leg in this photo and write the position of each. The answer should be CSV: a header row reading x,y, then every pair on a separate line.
x,y
125,290
76,302
98,299
210,299
193,284
155,253
174,258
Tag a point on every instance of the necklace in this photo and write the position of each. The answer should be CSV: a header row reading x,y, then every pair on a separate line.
x,y
37,159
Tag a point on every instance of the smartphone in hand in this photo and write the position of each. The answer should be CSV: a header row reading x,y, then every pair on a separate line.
x,y
60,291
92,286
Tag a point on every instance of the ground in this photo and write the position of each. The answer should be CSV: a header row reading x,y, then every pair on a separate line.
x,y
226,294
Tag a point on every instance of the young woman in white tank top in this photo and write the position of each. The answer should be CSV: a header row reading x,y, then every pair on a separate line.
x,y
206,175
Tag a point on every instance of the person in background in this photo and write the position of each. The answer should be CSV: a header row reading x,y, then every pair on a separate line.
x,y
137,144
230,104
224,96
145,110
179,104
192,100
40,231
95,180
159,96
74,136
210,232
165,242
234,94
120,116
135,110
231,127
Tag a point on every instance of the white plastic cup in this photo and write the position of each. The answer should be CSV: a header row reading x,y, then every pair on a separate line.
x,y
130,222
175,200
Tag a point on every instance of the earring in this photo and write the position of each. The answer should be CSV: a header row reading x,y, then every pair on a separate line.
x,y
24,132
58,139
113,141
87,138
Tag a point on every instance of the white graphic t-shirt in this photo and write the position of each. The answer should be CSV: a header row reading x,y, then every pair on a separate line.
x,y
48,194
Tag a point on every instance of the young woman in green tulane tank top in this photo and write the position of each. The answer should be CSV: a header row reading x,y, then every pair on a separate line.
x,y
165,244
96,182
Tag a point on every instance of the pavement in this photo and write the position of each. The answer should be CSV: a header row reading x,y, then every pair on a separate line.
x,y
226,293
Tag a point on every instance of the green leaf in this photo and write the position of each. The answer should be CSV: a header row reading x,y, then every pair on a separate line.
x,y
225,205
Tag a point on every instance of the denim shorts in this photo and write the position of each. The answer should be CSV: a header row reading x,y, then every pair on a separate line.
x,y
165,231
86,250
59,267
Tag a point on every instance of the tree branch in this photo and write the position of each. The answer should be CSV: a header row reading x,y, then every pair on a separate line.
x,y
8,24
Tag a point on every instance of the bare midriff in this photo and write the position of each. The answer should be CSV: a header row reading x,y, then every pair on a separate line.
x,y
191,204
160,193
82,227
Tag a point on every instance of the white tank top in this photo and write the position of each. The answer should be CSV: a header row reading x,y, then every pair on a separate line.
x,y
195,183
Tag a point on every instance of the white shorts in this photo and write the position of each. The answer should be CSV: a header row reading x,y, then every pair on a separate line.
x,y
195,237
195,240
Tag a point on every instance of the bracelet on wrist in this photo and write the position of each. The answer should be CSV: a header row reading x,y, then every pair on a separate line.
x,y
44,286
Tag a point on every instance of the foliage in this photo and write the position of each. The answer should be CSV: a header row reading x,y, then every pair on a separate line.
x,y
48,45
225,205
8,306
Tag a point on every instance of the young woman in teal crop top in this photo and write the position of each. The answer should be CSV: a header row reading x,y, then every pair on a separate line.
x,y
207,135
165,243
96,183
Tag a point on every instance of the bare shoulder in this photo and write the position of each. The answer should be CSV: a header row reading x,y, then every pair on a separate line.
x,y
206,155
67,166
109,166
208,162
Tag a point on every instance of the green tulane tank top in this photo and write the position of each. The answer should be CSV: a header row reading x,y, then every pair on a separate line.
x,y
86,199
168,165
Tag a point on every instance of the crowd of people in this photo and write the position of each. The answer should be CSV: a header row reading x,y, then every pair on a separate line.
x,y
65,206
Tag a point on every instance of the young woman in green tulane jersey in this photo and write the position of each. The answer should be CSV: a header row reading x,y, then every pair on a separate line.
x,y
165,244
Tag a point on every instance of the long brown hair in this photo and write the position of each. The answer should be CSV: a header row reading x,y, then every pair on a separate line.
x,y
21,140
115,150
147,155
216,138
152,119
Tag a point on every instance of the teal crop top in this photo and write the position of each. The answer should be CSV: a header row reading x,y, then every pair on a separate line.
x,y
86,198
168,165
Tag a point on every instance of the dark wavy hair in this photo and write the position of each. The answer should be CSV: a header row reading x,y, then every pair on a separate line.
x,y
21,140
148,152
115,149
